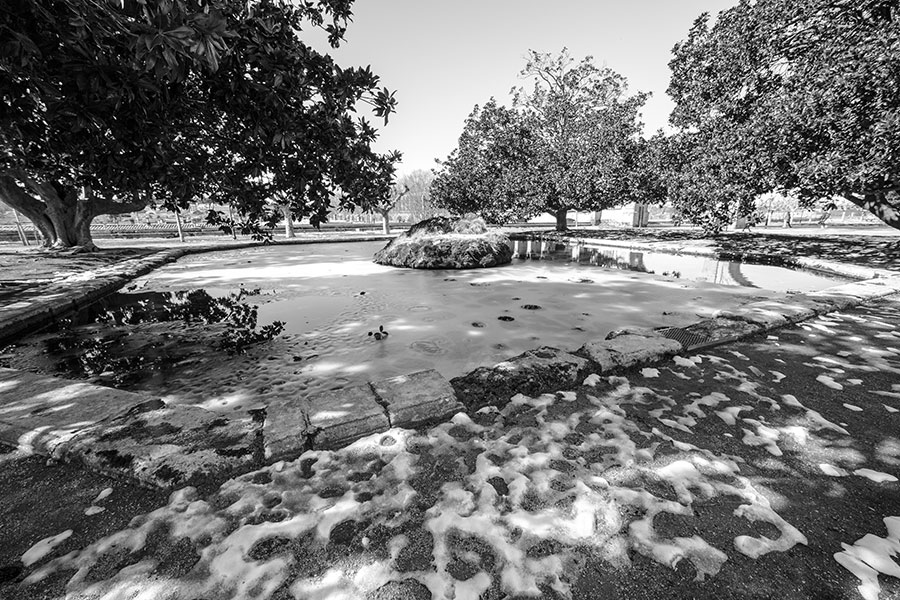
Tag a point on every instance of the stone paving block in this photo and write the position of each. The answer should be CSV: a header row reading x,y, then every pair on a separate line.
x,y
850,294
763,316
343,416
418,398
170,447
531,373
286,433
845,269
641,331
835,301
795,309
600,354
719,330
38,412
629,350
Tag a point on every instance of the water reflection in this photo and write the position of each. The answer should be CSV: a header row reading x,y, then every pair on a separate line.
x,y
120,340
693,268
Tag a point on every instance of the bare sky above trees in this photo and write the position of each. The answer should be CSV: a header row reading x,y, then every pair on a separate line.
x,y
445,57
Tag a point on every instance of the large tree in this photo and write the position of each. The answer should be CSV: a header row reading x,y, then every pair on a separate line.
x,y
109,107
800,97
490,172
569,142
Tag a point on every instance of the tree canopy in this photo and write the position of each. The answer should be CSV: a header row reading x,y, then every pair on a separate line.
x,y
799,97
111,106
570,142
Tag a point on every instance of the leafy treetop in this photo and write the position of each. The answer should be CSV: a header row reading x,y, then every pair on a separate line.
x,y
569,142
800,97
165,102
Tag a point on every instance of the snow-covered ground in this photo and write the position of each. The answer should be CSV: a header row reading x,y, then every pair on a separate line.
x,y
708,463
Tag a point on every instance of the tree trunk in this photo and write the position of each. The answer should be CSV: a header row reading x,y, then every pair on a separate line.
x,y
178,225
288,222
385,221
561,224
879,205
71,217
14,196
231,216
61,215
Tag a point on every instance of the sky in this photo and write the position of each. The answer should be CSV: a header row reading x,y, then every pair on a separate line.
x,y
444,57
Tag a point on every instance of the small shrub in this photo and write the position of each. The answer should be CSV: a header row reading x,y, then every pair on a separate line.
x,y
470,224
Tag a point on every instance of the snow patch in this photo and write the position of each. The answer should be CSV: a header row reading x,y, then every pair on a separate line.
x,y
44,547
829,382
872,555
832,471
103,495
592,380
876,476
683,362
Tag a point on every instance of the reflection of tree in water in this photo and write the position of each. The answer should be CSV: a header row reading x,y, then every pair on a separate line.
x,y
103,340
613,260
734,270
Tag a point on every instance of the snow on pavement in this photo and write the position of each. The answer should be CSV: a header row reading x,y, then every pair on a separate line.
x,y
515,501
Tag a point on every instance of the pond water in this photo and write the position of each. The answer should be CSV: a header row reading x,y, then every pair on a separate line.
x,y
190,333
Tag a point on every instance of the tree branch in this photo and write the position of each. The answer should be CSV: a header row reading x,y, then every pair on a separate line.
x,y
108,206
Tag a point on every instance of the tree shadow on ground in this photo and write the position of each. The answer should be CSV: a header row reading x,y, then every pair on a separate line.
x,y
696,478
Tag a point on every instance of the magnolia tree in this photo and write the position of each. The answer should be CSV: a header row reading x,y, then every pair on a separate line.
x,y
798,97
569,142
114,106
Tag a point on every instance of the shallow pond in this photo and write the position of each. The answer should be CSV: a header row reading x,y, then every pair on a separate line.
x,y
336,304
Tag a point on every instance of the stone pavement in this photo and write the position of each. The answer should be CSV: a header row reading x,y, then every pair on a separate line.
x,y
766,468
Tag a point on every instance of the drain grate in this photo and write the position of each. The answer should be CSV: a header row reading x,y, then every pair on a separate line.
x,y
694,341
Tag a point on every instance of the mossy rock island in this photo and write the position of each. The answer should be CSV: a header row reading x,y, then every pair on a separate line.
x,y
447,243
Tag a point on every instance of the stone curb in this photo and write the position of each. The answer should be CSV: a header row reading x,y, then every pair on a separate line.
x,y
74,293
129,435
335,419
532,373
